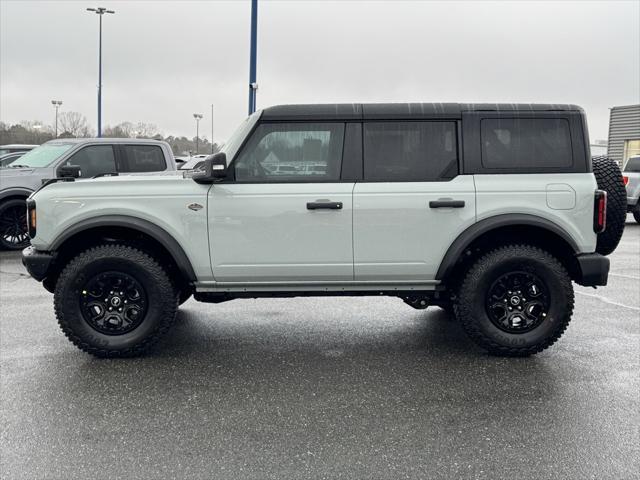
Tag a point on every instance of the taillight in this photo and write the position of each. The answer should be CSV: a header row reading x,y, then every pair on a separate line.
x,y
600,211
31,218
625,180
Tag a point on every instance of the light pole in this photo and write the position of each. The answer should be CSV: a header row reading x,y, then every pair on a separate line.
x,y
56,104
37,128
212,128
253,86
100,11
197,116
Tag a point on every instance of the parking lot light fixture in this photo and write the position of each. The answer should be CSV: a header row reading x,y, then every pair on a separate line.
x,y
56,104
198,117
100,11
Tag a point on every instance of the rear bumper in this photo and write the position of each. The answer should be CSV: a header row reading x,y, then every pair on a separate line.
x,y
593,269
37,263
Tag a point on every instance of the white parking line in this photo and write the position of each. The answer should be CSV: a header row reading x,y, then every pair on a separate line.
x,y
610,302
624,276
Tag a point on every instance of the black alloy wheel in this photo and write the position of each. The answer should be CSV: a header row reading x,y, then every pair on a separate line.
x,y
517,302
13,225
113,303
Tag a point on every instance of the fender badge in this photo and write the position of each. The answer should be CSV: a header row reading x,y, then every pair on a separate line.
x,y
195,207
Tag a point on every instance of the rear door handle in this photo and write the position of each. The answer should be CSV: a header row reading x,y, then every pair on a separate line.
x,y
324,204
446,203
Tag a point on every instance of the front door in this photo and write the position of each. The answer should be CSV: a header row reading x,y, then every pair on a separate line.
x,y
286,216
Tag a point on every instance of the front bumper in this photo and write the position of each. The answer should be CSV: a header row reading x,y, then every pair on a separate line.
x,y
37,263
593,269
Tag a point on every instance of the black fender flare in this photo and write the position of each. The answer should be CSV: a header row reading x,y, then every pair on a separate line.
x,y
144,226
15,192
462,242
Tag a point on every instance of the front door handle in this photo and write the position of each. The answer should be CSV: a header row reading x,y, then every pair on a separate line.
x,y
446,203
324,204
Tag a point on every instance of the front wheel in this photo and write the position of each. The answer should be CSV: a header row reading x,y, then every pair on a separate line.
x,y
515,301
114,300
13,225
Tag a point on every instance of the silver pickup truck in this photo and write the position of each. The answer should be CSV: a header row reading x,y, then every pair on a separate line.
x,y
93,156
632,181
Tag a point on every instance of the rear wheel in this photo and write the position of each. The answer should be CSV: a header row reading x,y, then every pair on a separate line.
x,y
114,300
636,212
13,225
515,301
609,178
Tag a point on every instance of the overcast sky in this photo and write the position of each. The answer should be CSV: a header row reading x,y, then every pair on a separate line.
x,y
165,60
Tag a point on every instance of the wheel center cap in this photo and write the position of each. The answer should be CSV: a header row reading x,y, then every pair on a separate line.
x,y
515,300
115,301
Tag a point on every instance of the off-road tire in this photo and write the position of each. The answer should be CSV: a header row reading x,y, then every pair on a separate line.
x,y
148,272
609,178
471,309
9,224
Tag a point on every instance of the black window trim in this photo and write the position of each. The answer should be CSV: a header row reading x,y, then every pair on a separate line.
x,y
457,132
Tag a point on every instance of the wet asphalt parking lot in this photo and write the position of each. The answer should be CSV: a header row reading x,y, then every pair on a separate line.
x,y
323,388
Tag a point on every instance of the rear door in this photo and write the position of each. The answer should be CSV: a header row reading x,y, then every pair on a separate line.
x,y
287,215
412,203
141,158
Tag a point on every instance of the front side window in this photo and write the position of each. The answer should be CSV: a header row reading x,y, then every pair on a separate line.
x,y
143,158
523,143
93,160
292,152
410,151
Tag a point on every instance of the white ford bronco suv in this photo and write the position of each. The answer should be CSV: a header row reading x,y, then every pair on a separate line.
x,y
489,211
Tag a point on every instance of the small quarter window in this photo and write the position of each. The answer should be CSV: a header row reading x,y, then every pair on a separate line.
x,y
521,143
410,151
290,152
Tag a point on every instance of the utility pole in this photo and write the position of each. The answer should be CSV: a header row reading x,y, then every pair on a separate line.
x,y
253,86
56,104
100,11
198,117
212,128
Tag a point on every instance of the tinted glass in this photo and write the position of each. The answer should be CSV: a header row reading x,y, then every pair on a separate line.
x,y
292,152
410,151
525,143
44,155
633,165
144,158
94,160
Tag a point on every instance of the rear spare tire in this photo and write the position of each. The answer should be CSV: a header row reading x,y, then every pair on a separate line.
x,y
609,178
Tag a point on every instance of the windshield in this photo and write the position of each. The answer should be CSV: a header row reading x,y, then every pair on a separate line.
x,y
230,148
42,156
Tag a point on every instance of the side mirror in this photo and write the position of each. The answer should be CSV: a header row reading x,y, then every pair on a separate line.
x,y
69,171
214,169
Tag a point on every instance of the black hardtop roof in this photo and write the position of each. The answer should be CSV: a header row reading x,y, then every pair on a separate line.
x,y
359,111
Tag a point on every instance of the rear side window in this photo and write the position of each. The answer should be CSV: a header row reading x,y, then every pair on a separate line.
x,y
633,165
143,158
410,151
521,143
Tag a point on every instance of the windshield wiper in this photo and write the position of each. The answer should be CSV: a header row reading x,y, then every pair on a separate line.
x,y
11,165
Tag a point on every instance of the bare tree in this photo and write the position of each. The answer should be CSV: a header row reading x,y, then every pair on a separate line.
x,y
74,124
